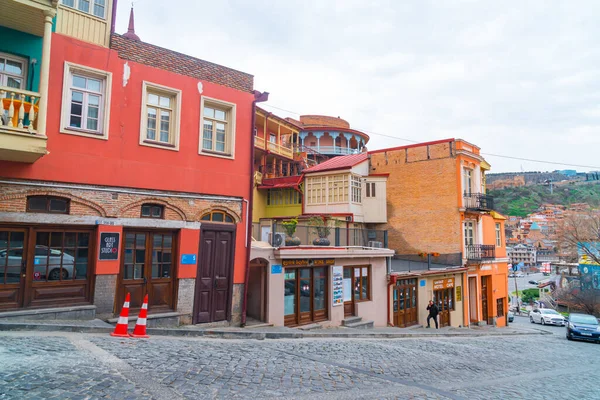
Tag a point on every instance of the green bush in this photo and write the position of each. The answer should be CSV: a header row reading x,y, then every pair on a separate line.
x,y
529,295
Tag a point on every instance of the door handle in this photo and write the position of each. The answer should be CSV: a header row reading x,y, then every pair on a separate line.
x,y
145,280
215,283
24,268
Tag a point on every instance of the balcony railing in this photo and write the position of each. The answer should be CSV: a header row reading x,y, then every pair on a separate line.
x,y
479,252
337,236
18,110
261,143
334,150
478,202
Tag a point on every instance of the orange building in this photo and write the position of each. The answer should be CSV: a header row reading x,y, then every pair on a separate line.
x,y
438,212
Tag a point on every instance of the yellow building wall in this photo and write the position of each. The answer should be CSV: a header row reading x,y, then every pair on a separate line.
x,y
259,206
283,211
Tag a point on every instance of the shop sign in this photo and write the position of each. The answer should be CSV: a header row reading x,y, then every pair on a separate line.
x,y
458,292
109,246
422,282
338,285
320,262
188,259
443,283
276,269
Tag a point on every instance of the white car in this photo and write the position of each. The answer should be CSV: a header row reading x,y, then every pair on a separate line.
x,y
546,316
45,259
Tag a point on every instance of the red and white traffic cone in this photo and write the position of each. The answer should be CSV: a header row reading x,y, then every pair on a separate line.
x,y
121,328
140,326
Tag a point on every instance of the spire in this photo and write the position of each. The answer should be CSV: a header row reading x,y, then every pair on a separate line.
x,y
131,29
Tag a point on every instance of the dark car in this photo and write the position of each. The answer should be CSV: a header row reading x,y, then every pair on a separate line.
x,y
583,326
532,282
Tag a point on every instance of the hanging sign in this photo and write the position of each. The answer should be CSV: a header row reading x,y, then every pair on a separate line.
x,y
109,246
338,285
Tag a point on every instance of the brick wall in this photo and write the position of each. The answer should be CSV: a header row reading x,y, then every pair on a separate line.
x,y
13,198
422,198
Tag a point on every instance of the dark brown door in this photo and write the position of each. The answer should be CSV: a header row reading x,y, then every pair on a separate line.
x,y
484,298
405,303
444,300
13,263
147,265
214,281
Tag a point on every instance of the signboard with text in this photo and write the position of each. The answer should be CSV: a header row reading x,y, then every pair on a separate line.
x,y
109,246
320,262
446,283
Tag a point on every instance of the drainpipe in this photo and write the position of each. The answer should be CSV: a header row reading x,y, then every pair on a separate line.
x,y
258,97
389,320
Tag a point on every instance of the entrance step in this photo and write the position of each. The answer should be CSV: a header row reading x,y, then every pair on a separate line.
x,y
310,327
83,313
160,320
361,325
351,320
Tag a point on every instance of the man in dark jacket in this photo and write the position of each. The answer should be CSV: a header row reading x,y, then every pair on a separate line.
x,y
433,313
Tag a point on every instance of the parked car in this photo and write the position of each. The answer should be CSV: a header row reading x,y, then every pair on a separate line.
x,y
511,275
510,316
519,275
45,259
532,282
583,326
546,316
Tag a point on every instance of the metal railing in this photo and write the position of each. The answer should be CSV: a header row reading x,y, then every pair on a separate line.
x,y
337,236
478,202
334,150
478,252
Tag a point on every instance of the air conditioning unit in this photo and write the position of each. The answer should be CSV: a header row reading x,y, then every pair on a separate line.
x,y
374,243
278,239
348,219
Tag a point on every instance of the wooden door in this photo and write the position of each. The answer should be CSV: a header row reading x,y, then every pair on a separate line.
x,y
147,267
405,303
412,300
13,263
484,298
212,301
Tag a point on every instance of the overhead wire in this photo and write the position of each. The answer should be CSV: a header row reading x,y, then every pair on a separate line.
x,y
486,154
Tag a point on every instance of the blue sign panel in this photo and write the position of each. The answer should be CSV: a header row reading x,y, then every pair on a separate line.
x,y
276,268
422,282
188,259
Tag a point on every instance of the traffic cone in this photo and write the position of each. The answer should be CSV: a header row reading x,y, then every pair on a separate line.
x,y
140,326
121,328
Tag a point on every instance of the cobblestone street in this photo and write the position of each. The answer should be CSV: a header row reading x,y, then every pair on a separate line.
x,y
36,365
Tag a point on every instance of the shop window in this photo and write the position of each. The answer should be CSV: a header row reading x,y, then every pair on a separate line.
x,y
444,299
217,216
153,211
48,204
61,256
361,282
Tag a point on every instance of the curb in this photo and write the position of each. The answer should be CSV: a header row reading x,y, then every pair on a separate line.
x,y
219,334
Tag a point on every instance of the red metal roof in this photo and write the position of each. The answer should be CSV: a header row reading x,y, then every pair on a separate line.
x,y
340,162
280,183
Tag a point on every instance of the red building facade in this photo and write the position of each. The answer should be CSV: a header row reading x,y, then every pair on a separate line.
x,y
144,188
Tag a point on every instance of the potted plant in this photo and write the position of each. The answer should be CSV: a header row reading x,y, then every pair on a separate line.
x,y
290,229
320,228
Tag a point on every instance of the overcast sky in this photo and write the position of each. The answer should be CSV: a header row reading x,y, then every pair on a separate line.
x,y
516,78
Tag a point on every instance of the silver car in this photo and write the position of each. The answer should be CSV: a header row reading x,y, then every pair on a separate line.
x,y
546,316
46,260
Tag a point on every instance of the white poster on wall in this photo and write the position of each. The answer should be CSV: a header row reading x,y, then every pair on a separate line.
x,y
337,285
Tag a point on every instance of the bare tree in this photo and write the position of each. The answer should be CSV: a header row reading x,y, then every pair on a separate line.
x,y
578,234
587,300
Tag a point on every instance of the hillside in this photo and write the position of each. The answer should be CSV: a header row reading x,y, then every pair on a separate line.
x,y
520,201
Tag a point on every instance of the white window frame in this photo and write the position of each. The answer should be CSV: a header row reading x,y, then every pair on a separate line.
x,y
316,190
337,189
498,234
103,112
470,225
468,181
174,124
356,189
92,3
370,190
24,74
231,112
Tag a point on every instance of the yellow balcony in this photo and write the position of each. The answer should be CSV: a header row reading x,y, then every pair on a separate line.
x,y
19,140
259,142
281,150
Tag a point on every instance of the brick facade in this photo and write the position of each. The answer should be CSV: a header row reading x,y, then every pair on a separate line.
x,y
105,288
90,202
422,198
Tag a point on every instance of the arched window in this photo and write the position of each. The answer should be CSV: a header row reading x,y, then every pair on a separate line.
x,y
217,216
48,204
153,211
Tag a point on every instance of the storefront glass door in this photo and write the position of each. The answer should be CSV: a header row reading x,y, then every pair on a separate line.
x,y
305,295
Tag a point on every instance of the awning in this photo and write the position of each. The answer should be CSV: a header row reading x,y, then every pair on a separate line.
x,y
281,183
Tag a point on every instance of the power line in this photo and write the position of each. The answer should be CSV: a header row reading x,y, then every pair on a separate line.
x,y
486,154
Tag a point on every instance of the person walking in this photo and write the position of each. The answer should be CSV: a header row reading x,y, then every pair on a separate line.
x,y
433,313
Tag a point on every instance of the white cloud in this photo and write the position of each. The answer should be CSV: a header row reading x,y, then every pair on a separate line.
x,y
519,79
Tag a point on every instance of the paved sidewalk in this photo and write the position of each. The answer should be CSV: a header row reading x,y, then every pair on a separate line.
x,y
270,332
